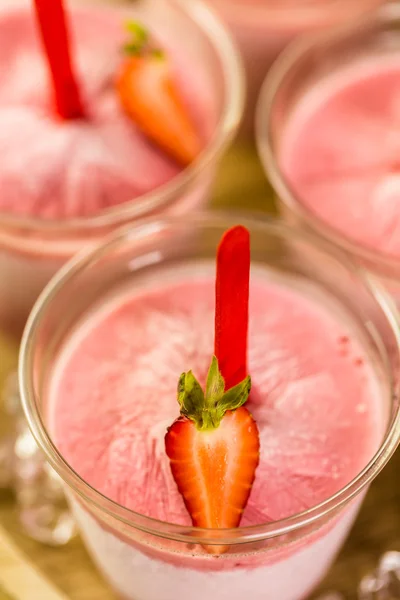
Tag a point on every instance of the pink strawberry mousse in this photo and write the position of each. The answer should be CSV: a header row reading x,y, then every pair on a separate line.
x,y
52,171
315,397
340,152
56,170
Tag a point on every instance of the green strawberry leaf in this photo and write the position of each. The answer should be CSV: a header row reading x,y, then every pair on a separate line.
x,y
207,410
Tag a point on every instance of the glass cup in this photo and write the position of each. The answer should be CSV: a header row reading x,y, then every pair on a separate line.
x,y
146,559
263,28
302,68
33,249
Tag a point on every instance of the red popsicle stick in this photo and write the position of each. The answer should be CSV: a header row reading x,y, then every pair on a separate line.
x,y
54,32
232,305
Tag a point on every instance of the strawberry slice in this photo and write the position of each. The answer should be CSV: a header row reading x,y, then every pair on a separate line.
x,y
213,449
149,95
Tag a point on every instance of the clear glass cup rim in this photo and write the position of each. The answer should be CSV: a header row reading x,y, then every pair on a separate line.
x,y
234,100
291,57
240,535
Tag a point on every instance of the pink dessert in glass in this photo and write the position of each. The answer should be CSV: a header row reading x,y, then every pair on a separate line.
x,y
329,136
64,183
105,387
341,153
263,28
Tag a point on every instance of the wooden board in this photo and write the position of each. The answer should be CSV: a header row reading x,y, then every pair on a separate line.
x,y
241,184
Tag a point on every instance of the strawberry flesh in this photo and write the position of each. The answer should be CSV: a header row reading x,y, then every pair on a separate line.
x,y
215,470
213,451
150,97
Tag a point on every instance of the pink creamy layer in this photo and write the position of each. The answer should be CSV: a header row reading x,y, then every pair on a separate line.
x,y
341,153
315,397
55,169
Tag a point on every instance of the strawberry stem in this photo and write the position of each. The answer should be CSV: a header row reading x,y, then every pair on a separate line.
x,y
232,304
139,42
207,410
54,31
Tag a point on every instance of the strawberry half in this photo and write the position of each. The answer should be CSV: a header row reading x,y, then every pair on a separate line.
x,y
149,96
213,449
